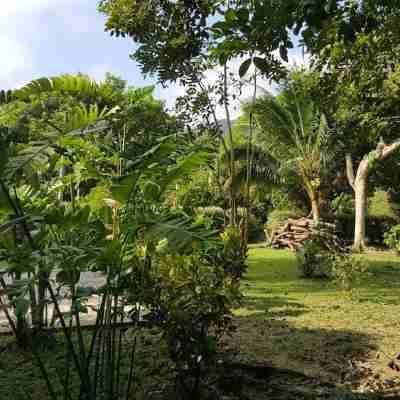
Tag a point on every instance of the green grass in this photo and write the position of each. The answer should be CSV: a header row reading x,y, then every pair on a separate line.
x,y
303,325
312,327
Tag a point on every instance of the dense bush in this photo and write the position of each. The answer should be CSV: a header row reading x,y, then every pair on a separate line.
x,y
282,199
194,301
381,206
348,271
314,261
233,256
392,238
201,190
256,229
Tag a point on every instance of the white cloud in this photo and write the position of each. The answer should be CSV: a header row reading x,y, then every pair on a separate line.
x,y
21,23
16,65
11,8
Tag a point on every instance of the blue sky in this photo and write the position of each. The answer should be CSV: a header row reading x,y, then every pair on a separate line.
x,y
51,37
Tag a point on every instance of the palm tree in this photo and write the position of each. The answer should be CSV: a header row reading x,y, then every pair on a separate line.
x,y
295,132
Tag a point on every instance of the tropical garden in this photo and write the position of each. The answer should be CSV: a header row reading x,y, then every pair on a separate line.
x,y
155,254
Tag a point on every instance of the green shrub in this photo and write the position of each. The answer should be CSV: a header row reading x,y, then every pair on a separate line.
x,y
256,229
314,261
392,238
348,271
233,257
282,199
195,300
343,205
381,207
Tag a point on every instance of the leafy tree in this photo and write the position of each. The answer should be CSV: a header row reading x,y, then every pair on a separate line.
x,y
180,41
357,51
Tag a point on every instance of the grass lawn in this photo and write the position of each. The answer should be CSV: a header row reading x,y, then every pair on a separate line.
x,y
311,327
305,326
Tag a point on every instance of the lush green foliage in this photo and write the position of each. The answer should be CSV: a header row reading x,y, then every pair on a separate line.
x,y
98,177
314,261
90,189
392,238
296,133
348,272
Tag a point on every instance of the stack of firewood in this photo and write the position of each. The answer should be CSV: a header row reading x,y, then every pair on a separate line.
x,y
295,232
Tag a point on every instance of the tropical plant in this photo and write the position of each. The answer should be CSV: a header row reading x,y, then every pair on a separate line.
x,y
296,133
348,271
263,171
94,203
392,238
314,261
358,62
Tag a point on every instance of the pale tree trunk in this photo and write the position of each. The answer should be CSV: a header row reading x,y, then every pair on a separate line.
x,y
360,187
315,206
359,183
314,200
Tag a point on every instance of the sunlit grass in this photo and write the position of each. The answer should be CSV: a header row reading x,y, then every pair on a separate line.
x,y
310,325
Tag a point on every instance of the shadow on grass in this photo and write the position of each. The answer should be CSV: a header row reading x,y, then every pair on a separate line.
x,y
303,363
273,307
382,285
267,334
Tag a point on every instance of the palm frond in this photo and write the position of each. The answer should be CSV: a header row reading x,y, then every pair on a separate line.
x,y
259,176
72,84
83,117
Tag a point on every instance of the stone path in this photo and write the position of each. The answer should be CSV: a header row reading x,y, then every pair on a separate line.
x,y
92,279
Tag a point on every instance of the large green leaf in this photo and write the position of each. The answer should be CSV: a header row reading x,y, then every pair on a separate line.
x,y
180,232
185,167
122,189
83,116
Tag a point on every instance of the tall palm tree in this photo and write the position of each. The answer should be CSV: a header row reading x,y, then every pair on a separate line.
x,y
295,132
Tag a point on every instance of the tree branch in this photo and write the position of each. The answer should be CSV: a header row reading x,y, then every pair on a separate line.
x,y
389,149
350,171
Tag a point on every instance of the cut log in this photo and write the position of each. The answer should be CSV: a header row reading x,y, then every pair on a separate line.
x,y
294,233
304,222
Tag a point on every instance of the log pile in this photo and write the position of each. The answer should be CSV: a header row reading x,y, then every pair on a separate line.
x,y
295,232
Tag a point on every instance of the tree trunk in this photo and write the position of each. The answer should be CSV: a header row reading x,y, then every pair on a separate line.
x,y
315,207
361,214
314,200
359,183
